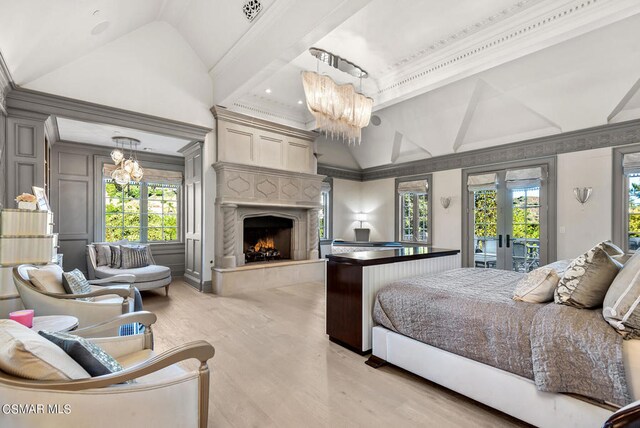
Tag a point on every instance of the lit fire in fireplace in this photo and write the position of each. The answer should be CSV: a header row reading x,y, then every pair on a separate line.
x,y
264,244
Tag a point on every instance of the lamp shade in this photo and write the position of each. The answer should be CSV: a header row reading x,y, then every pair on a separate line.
x,y
361,217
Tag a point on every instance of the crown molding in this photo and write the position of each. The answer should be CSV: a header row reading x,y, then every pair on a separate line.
x,y
540,26
610,135
49,104
6,84
224,114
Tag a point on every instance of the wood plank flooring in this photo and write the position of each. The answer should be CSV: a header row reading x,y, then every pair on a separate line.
x,y
275,367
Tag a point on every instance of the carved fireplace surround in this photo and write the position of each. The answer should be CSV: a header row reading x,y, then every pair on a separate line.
x,y
245,191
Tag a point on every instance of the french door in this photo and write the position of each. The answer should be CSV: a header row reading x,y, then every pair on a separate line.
x,y
507,219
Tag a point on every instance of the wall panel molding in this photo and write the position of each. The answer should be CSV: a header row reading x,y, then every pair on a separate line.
x,y
611,135
49,104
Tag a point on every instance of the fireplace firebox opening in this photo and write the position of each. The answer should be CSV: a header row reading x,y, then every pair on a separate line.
x,y
267,238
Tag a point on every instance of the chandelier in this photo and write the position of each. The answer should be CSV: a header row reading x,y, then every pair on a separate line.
x,y
339,110
127,169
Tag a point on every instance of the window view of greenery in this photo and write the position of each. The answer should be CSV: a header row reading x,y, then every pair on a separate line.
x,y
411,220
323,220
526,229
485,227
140,212
633,225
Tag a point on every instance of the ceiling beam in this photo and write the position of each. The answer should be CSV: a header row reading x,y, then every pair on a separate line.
x,y
286,30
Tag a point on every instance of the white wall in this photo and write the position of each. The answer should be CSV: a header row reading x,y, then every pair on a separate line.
x,y
580,227
346,203
378,203
447,223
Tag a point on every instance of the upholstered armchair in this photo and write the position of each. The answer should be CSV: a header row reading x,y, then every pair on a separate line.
x,y
152,390
146,278
112,297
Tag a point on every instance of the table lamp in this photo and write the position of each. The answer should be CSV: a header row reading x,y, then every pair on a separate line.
x,y
362,234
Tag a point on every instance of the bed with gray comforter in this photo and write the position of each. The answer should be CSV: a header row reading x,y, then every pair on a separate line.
x,y
470,312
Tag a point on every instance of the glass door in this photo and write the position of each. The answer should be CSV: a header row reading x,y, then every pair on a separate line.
x,y
507,218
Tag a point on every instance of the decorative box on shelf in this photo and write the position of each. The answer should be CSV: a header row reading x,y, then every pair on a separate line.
x,y
25,222
16,250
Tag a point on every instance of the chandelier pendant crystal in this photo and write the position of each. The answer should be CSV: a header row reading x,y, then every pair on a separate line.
x,y
339,110
127,169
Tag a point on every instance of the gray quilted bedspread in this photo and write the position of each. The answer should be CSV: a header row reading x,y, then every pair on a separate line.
x,y
470,312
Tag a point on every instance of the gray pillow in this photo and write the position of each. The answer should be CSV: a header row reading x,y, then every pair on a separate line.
x,y
621,304
611,248
587,279
134,256
90,356
74,282
116,256
103,254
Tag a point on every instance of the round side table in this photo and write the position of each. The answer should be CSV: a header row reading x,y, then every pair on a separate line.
x,y
55,323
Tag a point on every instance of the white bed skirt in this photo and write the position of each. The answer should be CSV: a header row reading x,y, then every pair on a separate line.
x,y
504,391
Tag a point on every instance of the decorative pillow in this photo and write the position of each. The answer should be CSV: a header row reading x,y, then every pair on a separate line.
x,y
134,256
25,354
611,248
47,278
75,283
537,286
116,260
103,254
622,302
587,279
560,267
90,356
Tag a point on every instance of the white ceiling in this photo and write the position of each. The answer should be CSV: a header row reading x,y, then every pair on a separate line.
x,y
98,134
445,76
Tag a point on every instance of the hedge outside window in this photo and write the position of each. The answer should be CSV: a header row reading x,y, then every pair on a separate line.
x,y
141,212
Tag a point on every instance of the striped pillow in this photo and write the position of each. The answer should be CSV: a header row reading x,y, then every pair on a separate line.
x,y
622,301
116,260
134,256
74,282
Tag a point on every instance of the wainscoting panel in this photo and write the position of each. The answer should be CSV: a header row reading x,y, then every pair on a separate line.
x,y
74,251
72,215
377,276
25,156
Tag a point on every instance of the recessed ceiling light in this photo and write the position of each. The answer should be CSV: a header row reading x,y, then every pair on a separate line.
x,y
100,28
268,91
299,101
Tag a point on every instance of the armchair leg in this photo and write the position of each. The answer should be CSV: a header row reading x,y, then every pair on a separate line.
x,y
166,290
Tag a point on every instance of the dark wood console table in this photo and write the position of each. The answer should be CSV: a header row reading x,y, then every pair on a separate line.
x,y
353,280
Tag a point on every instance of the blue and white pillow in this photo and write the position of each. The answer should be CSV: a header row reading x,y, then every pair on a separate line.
x,y
74,282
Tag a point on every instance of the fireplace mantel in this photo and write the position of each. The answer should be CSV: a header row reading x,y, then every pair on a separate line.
x,y
250,185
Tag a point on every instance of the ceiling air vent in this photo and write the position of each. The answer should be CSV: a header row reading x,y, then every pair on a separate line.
x,y
252,9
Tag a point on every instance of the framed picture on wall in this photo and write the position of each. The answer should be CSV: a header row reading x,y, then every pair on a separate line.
x,y
41,199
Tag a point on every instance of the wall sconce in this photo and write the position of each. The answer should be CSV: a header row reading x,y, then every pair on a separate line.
x,y
582,194
445,201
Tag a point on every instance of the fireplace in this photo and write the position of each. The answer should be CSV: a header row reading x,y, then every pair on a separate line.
x,y
267,238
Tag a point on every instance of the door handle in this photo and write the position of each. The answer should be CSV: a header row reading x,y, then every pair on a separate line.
x,y
508,241
499,241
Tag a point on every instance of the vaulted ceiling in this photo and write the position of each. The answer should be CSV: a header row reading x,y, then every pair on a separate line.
x,y
445,76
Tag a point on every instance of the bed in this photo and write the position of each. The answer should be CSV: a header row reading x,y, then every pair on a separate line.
x,y
546,364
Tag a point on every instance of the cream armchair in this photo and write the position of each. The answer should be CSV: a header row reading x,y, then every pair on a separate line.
x,y
163,394
110,301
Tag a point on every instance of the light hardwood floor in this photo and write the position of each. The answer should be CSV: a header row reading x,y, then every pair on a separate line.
x,y
275,367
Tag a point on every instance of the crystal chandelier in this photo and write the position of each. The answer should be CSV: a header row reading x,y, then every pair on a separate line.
x,y
127,169
339,110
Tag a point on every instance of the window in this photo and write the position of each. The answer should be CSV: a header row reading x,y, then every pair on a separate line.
x,y
324,216
141,212
626,204
414,208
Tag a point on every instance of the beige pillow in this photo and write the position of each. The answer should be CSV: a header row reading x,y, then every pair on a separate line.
x,y
587,279
26,354
623,298
537,286
611,248
560,267
47,278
